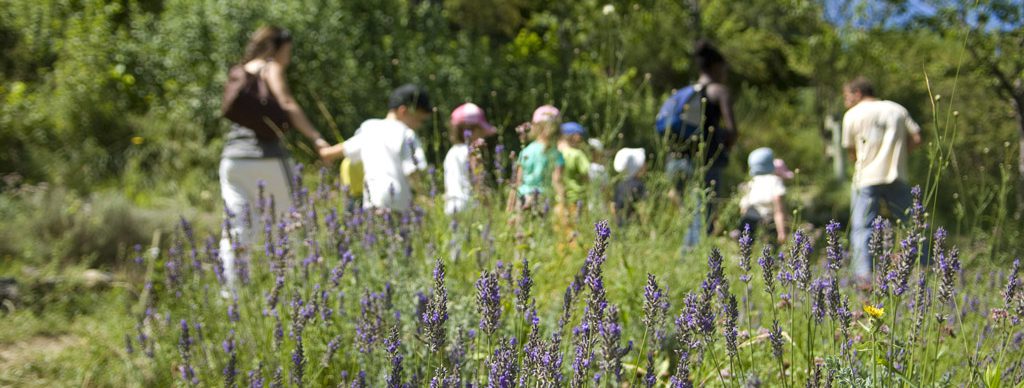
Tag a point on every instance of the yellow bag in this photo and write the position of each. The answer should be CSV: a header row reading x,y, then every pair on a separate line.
x,y
352,176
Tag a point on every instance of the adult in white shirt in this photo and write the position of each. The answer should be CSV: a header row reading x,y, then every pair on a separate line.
x,y
463,165
879,135
389,149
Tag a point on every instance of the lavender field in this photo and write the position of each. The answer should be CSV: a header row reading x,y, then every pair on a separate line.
x,y
334,298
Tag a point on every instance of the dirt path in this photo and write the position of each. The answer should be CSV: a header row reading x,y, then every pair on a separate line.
x,y
13,356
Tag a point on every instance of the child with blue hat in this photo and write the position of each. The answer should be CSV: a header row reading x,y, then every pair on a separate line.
x,y
762,196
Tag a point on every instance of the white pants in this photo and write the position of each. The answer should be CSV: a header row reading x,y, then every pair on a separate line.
x,y
239,187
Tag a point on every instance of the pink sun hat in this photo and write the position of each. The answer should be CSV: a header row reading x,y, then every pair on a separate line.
x,y
546,113
471,114
781,170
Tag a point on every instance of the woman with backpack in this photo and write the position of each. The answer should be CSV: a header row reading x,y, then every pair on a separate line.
x,y
254,162
699,125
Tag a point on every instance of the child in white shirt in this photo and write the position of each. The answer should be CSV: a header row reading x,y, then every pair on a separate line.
x,y
463,166
389,149
761,203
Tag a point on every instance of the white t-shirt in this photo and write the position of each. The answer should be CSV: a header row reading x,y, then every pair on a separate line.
x,y
878,130
598,174
457,186
759,193
389,151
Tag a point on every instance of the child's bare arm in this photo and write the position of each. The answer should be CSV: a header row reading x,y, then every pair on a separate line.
x,y
556,182
512,193
780,219
333,152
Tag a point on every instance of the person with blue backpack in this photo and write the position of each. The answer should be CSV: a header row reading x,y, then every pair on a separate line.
x,y
699,128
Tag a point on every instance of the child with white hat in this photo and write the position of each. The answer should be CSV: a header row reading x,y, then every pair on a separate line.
x,y
631,163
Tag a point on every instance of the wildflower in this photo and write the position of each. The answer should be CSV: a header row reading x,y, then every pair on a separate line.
x,y
655,308
185,350
298,361
360,380
819,289
746,247
731,317
391,345
503,366
444,379
332,348
436,314
651,377
488,302
255,379
716,275
767,263
1011,294
874,312
230,372
525,282
833,248
610,332
682,377
775,336
799,253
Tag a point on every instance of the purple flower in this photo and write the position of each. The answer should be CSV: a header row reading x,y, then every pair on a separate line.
x,y
503,367
230,371
819,304
255,379
298,361
799,254
1012,297
650,378
775,336
185,350
716,275
435,316
682,377
833,247
655,308
332,348
746,247
391,345
767,263
525,282
488,302
731,317
947,266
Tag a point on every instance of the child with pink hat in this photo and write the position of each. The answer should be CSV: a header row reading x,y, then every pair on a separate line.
x,y
463,166
539,166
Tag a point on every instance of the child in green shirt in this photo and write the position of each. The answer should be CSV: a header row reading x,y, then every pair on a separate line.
x,y
577,165
539,166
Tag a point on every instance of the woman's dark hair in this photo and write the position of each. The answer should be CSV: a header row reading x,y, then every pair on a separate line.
x,y
265,42
707,56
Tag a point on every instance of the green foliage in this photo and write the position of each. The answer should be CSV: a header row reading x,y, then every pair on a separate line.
x,y
79,80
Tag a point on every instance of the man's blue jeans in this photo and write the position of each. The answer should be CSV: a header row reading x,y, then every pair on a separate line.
x,y
865,204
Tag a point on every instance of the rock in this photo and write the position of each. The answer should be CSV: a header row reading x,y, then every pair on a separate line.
x,y
8,293
92,278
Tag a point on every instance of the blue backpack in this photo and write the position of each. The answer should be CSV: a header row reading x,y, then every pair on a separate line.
x,y
681,113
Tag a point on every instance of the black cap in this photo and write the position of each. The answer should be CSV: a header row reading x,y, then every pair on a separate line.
x,y
410,95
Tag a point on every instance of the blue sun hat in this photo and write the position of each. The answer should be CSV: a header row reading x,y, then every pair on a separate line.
x,y
761,161
573,128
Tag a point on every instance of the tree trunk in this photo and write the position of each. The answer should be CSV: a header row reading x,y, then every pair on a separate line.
x,y
695,9
1018,106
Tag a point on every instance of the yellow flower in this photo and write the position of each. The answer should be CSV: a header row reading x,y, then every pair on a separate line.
x,y
137,140
874,311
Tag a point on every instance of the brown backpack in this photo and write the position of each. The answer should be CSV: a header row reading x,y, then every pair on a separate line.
x,y
249,103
